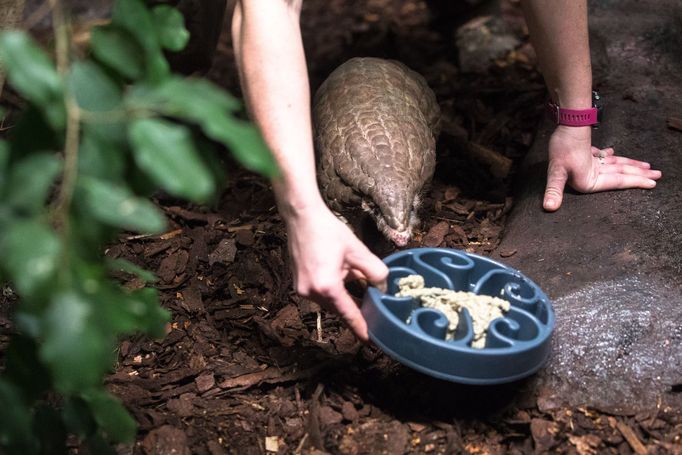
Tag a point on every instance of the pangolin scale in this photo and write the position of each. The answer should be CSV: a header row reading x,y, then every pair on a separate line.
x,y
376,123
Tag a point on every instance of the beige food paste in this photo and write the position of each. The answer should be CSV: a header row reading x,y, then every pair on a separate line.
x,y
482,308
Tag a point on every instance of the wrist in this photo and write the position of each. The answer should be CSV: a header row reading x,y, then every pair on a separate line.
x,y
579,100
577,117
578,133
297,201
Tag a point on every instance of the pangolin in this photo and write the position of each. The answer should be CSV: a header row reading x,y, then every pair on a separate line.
x,y
376,123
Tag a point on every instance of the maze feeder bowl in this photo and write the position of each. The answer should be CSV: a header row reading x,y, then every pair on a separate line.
x,y
517,344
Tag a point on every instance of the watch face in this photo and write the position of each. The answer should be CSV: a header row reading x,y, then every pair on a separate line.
x,y
597,103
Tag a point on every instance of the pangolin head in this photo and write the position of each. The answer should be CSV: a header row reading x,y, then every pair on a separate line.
x,y
395,217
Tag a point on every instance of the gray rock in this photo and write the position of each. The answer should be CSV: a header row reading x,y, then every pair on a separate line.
x,y
612,261
482,40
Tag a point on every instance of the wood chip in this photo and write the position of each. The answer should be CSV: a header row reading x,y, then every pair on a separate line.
x,y
632,439
329,417
349,412
205,382
543,432
436,234
224,253
270,375
166,440
182,406
498,164
191,300
585,445
272,443
416,427
675,123
507,253
245,238
170,235
451,194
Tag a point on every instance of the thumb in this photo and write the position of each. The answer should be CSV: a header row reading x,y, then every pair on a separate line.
x,y
554,192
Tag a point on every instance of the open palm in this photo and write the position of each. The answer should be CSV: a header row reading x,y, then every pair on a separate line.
x,y
587,169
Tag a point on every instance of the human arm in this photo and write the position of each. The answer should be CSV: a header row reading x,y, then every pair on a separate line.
x,y
559,33
269,53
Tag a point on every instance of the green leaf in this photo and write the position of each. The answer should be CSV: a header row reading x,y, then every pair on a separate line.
x,y
30,180
27,322
16,433
30,253
86,232
111,416
33,134
125,312
170,27
190,98
202,102
4,158
113,313
164,151
133,16
100,157
75,349
116,205
93,89
245,142
117,48
33,74
96,91
124,265
215,161
151,317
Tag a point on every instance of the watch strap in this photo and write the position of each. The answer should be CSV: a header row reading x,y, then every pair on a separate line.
x,y
573,117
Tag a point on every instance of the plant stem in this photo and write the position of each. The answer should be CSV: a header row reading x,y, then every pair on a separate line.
x,y
72,133
61,35
70,173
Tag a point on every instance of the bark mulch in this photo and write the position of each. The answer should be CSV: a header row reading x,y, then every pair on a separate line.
x,y
249,367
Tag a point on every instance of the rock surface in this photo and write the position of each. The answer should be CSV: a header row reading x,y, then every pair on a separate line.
x,y
482,40
375,127
611,262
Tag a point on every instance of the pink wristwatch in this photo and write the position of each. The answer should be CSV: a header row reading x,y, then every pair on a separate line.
x,y
577,117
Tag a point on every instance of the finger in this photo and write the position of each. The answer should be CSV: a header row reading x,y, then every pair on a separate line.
x,y
628,161
554,192
355,274
629,170
350,314
607,182
369,265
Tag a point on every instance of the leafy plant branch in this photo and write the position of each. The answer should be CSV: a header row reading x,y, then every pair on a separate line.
x,y
122,121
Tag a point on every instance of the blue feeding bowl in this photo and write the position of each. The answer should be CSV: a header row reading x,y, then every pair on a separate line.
x,y
517,344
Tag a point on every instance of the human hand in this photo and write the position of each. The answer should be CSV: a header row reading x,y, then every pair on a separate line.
x,y
587,169
325,254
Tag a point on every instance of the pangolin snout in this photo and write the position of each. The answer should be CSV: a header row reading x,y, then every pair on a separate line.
x,y
397,211
398,216
400,238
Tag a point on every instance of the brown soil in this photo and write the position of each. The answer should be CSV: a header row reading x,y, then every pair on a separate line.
x,y
249,367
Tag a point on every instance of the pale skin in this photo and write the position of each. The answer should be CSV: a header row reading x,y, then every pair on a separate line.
x,y
325,253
